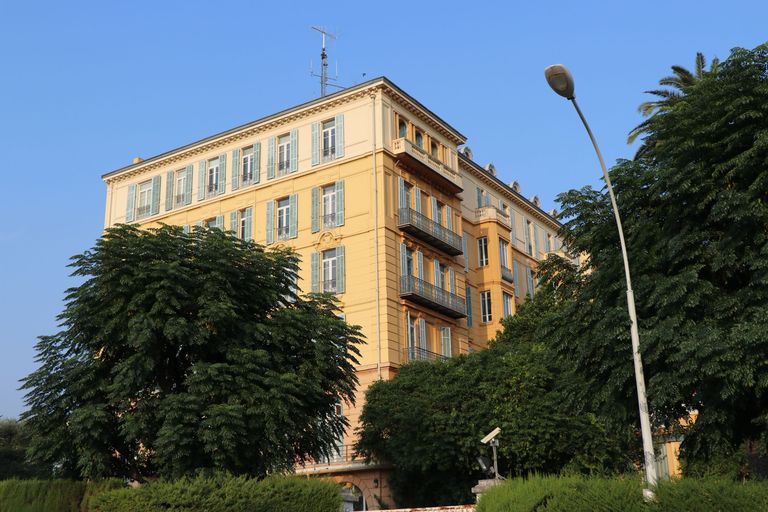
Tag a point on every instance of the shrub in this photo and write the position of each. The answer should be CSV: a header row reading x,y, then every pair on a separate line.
x,y
225,494
51,495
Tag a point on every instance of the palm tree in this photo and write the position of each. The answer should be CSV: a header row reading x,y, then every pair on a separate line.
x,y
680,81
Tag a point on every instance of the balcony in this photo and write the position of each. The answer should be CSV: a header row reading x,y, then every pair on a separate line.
x,y
429,231
491,213
421,354
417,159
426,294
507,275
342,458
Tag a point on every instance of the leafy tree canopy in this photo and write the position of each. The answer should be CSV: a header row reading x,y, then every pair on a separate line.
x,y
428,421
187,351
695,211
14,440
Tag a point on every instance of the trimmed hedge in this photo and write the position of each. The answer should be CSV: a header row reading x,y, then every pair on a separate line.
x,y
51,495
225,494
578,494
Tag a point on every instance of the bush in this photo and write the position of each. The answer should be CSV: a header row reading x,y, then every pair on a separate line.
x,y
225,494
50,495
576,494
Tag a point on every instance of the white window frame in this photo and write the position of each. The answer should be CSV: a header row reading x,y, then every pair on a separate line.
x,y
283,154
486,314
330,270
246,166
330,205
504,253
180,182
445,341
212,177
241,224
328,140
283,218
506,301
482,251
144,199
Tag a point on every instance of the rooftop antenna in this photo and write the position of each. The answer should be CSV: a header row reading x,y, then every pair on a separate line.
x,y
324,64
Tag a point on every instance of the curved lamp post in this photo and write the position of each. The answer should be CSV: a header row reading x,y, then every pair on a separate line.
x,y
560,79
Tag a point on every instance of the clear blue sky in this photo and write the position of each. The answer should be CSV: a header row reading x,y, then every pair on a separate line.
x,y
89,85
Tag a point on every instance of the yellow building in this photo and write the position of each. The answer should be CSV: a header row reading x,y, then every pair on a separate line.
x,y
425,249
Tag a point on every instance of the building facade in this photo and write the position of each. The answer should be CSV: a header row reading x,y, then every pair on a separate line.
x,y
425,249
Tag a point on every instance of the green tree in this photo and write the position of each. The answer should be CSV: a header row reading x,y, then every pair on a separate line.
x,y
181,352
695,211
14,440
680,81
428,421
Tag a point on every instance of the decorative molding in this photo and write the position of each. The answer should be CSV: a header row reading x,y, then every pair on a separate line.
x,y
327,240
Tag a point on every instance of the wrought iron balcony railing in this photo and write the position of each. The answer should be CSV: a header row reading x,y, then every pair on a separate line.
x,y
427,294
422,354
143,211
430,231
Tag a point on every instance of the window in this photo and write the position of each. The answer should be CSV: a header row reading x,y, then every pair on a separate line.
x,y
213,177
283,154
528,245
419,138
469,306
439,213
329,139
330,206
529,279
214,222
482,251
515,271
483,198
402,128
283,220
330,271
145,199
243,223
485,307
506,300
445,341
410,270
503,253
247,166
411,331
434,150
180,186
548,243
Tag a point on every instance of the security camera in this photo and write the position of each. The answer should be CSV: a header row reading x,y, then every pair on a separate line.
x,y
491,435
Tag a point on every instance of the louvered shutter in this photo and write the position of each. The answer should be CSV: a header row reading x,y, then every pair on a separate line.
x,y
316,143
219,222
417,199
422,334
199,224
188,185
185,228
435,213
452,280
315,209
270,158
403,260
233,223
256,162
155,208
535,240
340,203
464,243
293,215
529,279
130,205
248,223
403,193
420,264
449,218
315,272
513,231
479,197
270,222
468,298
294,150
201,180
340,136
221,186
515,279
236,169
341,278
438,276
169,190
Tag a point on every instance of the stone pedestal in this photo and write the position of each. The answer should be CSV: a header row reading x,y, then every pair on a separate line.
x,y
484,485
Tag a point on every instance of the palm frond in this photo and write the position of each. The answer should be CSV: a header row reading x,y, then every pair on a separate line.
x,y
701,65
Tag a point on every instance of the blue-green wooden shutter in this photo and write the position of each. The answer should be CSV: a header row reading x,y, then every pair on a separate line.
x,y
293,216
270,222
529,280
155,208
270,158
468,298
221,186
201,181
438,281
233,223
235,169
409,339
185,228
403,193
294,150
434,210
315,143
422,334
169,190
130,205
536,240
248,215
340,203
479,197
220,222
257,162
464,250
403,260
315,209
513,231
449,218
341,279
452,280
315,272
340,136
515,270
199,224
417,199
188,185
420,264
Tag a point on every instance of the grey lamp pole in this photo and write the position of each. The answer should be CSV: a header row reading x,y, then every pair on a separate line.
x,y
561,81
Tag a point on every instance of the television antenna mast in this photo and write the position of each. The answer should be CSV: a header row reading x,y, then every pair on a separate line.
x,y
324,78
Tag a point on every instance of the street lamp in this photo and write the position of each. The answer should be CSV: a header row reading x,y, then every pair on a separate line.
x,y
560,79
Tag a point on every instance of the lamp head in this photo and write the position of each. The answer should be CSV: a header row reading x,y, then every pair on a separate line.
x,y
560,80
